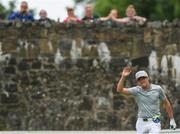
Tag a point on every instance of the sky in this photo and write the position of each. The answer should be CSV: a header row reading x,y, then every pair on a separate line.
x,y
55,8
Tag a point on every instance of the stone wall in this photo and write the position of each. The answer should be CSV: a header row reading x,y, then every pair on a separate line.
x,y
64,76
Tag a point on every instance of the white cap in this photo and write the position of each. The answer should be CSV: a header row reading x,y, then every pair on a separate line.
x,y
141,74
70,6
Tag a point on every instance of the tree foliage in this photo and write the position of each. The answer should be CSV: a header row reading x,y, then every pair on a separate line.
x,y
4,12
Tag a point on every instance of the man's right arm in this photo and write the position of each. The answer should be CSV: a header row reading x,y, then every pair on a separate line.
x,y
120,86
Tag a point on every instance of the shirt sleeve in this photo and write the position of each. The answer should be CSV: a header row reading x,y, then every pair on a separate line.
x,y
32,18
12,16
162,94
133,90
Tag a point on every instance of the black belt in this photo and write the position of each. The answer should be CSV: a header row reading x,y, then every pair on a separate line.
x,y
156,119
147,119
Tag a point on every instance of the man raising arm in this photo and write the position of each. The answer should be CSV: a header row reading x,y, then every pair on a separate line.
x,y
148,98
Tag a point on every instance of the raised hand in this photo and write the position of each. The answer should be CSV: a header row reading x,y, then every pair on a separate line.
x,y
126,71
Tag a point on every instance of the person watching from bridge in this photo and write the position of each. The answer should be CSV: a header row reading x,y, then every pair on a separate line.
x,y
114,13
71,16
22,15
131,16
44,17
89,14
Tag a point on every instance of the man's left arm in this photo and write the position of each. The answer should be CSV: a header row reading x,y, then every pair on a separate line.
x,y
170,113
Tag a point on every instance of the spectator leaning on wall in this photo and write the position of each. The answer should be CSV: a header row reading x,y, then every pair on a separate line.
x,y
89,14
71,16
113,14
44,17
131,16
23,14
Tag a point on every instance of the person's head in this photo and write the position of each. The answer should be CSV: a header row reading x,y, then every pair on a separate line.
x,y
130,11
89,10
142,79
70,11
24,6
114,13
43,14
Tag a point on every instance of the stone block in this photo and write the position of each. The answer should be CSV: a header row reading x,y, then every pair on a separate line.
x,y
86,104
148,37
66,64
48,66
93,51
118,104
9,46
3,125
23,66
24,79
36,65
155,24
113,121
75,123
84,63
102,116
46,46
11,87
39,95
10,98
12,61
10,70
117,63
140,62
103,103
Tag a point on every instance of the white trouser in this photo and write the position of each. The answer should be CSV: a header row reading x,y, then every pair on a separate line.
x,y
147,127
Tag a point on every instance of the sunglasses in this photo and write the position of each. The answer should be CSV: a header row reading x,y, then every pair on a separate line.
x,y
24,6
42,12
141,78
70,10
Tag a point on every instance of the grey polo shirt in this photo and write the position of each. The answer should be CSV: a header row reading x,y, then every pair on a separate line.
x,y
148,101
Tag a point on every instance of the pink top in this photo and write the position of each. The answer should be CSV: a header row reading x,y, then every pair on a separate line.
x,y
74,19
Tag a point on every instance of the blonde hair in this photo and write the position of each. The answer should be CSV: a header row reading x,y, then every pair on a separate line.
x,y
131,7
116,10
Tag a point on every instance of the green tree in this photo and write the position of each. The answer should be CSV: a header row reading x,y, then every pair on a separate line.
x,y
2,9
176,9
4,12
